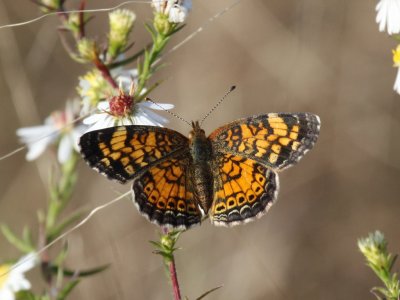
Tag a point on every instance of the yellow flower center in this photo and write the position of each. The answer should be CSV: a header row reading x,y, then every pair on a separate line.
x,y
396,56
4,269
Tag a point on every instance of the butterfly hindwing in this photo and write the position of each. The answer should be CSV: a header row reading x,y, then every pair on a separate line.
x,y
121,152
164,195
243,190
276,140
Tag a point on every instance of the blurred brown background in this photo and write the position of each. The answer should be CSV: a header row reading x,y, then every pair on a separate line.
x,y
326,57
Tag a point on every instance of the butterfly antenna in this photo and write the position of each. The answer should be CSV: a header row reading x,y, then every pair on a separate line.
x,y
170,112
218,103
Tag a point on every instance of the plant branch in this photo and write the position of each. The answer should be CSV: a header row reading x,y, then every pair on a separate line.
x,y
174,279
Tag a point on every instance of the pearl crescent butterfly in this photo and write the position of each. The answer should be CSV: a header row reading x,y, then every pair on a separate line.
x,y
230,176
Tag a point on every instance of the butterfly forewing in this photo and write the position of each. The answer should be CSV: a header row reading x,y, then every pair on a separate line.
x,y
276,140
121,153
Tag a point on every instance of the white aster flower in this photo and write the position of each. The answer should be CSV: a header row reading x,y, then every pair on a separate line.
x,y
121,110
176,10
388,16
57,127
12,277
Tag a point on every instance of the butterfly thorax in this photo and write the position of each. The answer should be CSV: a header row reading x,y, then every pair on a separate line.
x,y
201,153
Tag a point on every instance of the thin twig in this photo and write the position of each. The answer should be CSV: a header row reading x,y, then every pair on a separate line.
x,y
174,279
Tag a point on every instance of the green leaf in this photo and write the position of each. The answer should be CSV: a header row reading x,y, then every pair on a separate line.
x,y
25,295
80,273
69,286
209,292
15,241
56,230
392,261
381,290
151,31
27,236
60,258
178,28
148,91
168,256
156,244
129,59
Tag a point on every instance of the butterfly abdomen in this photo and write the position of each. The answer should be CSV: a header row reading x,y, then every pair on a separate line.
x,y
202,178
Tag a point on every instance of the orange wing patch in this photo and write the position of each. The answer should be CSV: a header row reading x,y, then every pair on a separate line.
x,y
121,152
163,194
274,140
244,190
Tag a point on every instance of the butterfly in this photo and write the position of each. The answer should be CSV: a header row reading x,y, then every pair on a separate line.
x,y
229,176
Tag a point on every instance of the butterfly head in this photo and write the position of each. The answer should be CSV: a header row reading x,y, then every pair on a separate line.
x,y
197,131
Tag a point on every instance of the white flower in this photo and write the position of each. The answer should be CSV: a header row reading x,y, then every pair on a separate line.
x,y
388,15
57,127
12,277
176,10
142,115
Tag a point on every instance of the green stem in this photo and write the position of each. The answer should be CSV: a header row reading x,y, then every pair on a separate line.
x,y
146,71
61,192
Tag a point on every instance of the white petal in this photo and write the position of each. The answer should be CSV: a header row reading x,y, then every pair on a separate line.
x,y
35,149
396,86
153,116
157,106
29,134
6,294
178,14
76,135
26,263
19,283
84,84
103,105
65,148
388,16
157,5
105,122
127,76
93,118
141,120
169,5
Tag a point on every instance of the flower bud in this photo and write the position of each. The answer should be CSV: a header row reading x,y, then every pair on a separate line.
x,y
50,5
121,24
167,241
87,49
161,23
